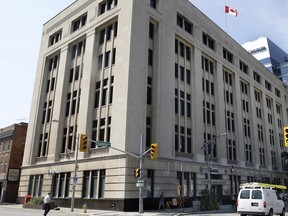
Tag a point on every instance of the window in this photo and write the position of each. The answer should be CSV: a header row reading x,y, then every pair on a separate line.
x,y
208,41
53,62
79,22
256,194
227,55
78,49
268,85
248,153
257,77
150,57
108,31
277,93
54,38
149,91
35,185
106,6
42,147
243,67
150,183
184,23
153,3
245,194
61,184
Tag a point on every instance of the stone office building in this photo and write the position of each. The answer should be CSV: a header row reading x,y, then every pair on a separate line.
x,y
117,69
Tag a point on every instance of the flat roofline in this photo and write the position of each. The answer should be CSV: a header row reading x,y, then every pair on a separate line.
x,y
59,13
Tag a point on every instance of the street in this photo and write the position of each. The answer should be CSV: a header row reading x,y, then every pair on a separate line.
x,y
17,210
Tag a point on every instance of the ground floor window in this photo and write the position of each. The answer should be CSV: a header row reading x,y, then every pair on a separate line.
x,y
93,184
61,184
35,185
186,184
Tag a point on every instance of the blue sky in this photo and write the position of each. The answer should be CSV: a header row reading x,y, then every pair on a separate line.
x,y
22,26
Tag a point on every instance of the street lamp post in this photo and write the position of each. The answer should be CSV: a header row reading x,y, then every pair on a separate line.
x,y
210,144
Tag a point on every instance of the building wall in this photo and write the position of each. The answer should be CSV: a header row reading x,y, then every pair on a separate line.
x,y
168,73
12,141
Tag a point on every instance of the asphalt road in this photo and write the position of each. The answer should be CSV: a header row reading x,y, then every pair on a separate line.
x,y
17,210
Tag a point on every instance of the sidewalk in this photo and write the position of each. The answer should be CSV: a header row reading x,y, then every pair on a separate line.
x,y
93,212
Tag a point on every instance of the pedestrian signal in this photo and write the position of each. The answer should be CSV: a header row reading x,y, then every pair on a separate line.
x,y
137,173
154,151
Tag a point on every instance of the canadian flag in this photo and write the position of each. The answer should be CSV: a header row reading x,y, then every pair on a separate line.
x,y
231,11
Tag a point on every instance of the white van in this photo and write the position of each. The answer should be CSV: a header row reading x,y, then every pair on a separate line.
x,y
260,199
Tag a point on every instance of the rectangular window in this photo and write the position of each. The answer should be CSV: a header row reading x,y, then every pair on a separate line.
x,y
184,23
208,41
153,4
54,38
227,55
79,22
243,67
150,57
257,77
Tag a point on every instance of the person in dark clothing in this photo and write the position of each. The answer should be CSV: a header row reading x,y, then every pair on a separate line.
x,y
161,201
46,206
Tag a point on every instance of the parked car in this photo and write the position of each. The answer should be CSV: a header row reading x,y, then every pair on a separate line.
x,y
260,199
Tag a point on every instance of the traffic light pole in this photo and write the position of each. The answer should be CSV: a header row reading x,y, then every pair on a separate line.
x,y
75,176
141,175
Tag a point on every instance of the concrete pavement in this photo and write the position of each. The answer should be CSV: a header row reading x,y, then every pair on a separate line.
x,y
93,212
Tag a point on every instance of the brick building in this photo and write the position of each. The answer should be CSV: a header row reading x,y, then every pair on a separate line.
x,y
12,142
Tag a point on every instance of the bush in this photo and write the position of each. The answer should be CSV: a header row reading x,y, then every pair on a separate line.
x,y
208,202
36,201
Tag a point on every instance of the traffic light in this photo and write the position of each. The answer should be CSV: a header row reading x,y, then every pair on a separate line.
x,y
137,173
83,142
154,151
286,136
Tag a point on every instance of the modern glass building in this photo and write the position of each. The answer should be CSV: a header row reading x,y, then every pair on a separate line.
x,y
270,55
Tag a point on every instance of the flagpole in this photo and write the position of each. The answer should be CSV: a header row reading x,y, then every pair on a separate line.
x,y
225,18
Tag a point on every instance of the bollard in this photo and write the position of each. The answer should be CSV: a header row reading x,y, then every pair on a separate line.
x,y
85,208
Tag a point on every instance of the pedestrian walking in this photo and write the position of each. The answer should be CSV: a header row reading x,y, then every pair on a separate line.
x,y
46,205
233,201
161,201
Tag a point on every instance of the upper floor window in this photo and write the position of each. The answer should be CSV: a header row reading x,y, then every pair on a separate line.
x,y
79,22
184,23
208,41
227,55
107,5
257,77
243,67
277,93
268,85
54,38
153,4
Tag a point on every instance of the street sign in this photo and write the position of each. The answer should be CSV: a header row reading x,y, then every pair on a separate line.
x,y
214,171
140,183
75,179
103,144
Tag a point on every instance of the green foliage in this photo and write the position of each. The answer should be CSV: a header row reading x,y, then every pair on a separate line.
x,y
207,201
36,201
